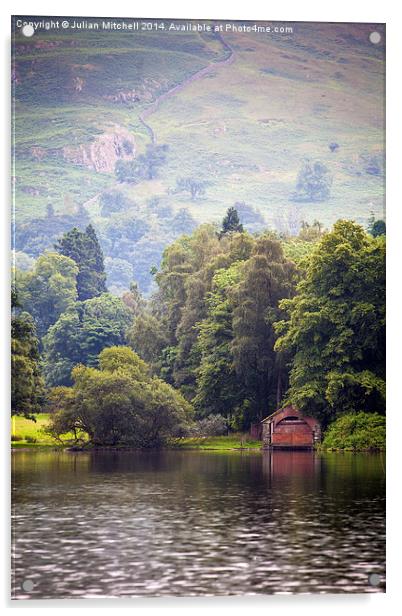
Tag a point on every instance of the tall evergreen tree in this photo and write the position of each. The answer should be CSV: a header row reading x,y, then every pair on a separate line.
x,y
267,278
85,250
231,223
218,387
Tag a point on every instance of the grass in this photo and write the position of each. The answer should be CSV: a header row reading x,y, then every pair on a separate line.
x,y
32,432
28,428
219,443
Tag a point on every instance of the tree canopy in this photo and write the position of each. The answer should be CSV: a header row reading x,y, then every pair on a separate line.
x,y
84,249
27,388
335,331
119,404
49,289
80,334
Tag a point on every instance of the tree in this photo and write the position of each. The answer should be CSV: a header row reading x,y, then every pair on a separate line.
x,y
80,334
231,223
335,330
376,227
27,389
84,249
48,290
120,404
249,216
144,167
148,338
184,281
311,232
195,187
130,171
183,222
267,278
155,157
313,182
40,234
218,388
134,300
113,201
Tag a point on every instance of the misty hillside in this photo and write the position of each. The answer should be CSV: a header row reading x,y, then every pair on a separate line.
x,y
148,134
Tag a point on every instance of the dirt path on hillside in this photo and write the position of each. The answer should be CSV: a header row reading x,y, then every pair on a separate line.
x,y
183,84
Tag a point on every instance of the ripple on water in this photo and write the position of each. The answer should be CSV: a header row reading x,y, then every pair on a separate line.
x,y
183,523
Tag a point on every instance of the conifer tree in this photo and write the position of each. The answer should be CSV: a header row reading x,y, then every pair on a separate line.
x,y
231,223
85,250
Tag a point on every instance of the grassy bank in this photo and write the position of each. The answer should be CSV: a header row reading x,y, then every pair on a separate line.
x,y
30,434
233,441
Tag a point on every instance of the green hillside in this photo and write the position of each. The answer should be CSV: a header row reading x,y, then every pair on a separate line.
x,y
239,113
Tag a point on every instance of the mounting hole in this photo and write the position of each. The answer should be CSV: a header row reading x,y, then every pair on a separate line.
x,y
28,30
375,38
28,585
374,579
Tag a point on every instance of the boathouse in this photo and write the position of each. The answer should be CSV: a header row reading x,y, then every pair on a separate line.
x,y
288,428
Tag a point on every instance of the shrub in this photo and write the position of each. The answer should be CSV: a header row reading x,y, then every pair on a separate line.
x,y
30,439
356,431
213,425
16,437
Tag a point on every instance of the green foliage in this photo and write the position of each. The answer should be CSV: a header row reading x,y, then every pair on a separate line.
x,y
119,404
148,338
357,431
267,278
27,390
218,298
376,227
195,187
313,182
49,289
112,201
40,234
80,334
134,300
335,332
231,223
218,389
144,167
311,232
213,425
84,249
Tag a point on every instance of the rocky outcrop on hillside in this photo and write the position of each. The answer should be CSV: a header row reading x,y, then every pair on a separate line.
x,y
102,153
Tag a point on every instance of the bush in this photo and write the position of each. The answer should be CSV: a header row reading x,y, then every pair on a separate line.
x,y
16,437
213,425
31,439
356,431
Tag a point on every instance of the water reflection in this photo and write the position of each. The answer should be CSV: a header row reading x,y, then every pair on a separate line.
x,y
110,524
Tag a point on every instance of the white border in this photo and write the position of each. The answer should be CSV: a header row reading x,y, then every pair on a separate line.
x,y
291,10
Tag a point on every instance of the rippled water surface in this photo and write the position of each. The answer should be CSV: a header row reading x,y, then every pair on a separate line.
x,y
128,524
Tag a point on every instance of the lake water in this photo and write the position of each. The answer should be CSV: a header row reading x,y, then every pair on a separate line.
x,y
125,524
